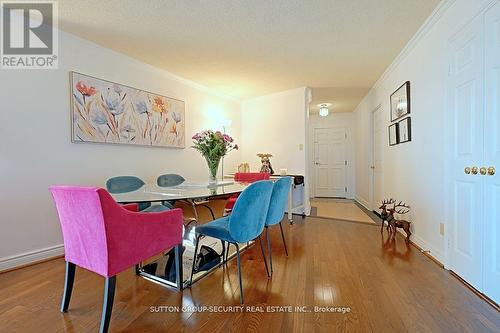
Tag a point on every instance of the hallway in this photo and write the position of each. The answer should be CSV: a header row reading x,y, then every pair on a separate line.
x,y
340,209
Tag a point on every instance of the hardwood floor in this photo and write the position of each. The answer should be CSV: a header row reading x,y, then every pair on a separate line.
x,y
388,288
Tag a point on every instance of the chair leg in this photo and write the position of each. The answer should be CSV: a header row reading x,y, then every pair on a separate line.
x,y
189,222
269,249
107,306
178,267
68,285
227,252
223,254
264,256
239,271
283,238
194,259
211,211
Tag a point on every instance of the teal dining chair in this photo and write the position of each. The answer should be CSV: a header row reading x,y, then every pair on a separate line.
x,y
172,179
124,184
277,208
245,223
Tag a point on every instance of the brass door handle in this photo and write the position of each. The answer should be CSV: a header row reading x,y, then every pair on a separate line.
x,y
467,170
482,171
474,170
491,171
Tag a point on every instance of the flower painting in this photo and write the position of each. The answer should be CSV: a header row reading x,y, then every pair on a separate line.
x,y
106,112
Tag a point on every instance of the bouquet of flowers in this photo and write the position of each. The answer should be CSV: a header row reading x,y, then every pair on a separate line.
x,y
213,146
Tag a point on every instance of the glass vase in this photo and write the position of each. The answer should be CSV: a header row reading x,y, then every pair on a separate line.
x,y
213,167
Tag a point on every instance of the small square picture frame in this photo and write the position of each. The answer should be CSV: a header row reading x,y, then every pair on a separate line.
x,y
393,134
400,102
404,130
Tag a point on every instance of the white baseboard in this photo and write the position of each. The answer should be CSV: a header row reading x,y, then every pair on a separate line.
x,y
433,252
31,257
363,202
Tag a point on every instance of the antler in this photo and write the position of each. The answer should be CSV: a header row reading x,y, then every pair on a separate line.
x,y
388,201
403,206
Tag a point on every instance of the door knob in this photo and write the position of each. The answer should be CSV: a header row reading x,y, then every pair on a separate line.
x,y
482,171
474,170
372,167
467,170
491,171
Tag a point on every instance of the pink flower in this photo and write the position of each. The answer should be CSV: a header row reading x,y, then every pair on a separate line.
x,y
227,138
84,89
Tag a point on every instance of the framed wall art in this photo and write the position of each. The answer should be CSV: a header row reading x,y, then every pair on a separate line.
x,y
393,134
400,102
404,127
108,112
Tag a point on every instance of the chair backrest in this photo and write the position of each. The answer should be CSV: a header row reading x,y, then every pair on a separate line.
x,y
170,179
279,198
123,184
83,228
247,219
103,237
250,177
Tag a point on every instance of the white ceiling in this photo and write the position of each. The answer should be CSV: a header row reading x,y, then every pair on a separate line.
x,y
247,48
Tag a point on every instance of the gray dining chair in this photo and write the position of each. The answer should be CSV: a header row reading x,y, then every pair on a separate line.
x,y
172,179
124,184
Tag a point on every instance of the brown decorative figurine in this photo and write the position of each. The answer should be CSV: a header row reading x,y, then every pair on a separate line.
x,y
395,223
266,163
384,214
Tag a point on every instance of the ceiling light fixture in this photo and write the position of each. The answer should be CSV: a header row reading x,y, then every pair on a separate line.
x,y
323,110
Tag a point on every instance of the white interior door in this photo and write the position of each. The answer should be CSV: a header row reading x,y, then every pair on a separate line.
x,y
330,162
492,154
377,158
466,120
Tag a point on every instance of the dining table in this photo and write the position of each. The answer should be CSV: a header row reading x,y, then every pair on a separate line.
x,y
157,269
151,193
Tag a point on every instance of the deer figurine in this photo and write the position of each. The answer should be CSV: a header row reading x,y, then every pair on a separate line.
x,y
385,214
395,223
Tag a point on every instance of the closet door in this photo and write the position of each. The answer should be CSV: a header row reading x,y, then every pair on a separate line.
x,y
466,97
492,155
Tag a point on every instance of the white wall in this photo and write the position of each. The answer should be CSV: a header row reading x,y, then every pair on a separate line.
x,y
414,171
276,124
36,149
335,120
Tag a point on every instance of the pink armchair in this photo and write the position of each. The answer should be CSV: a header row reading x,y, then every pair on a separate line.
x,y
106,238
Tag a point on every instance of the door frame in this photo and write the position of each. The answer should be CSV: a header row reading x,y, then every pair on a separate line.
x,y
371,177
350,160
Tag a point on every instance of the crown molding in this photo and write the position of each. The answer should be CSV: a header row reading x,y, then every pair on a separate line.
x,y
433,18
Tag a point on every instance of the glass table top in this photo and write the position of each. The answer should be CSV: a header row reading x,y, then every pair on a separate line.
x,y
155,193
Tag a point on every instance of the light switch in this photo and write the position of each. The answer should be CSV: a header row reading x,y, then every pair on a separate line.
x,y
441,229
301,147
